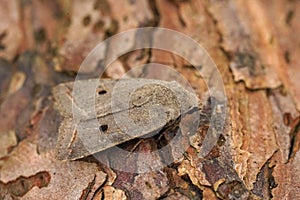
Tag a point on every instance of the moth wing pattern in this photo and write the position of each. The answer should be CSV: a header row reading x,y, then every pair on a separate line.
x,y
107,116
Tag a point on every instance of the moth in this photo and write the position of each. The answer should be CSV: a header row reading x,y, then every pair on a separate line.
x,y
99,114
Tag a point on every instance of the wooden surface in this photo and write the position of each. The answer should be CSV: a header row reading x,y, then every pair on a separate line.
x,y
255,45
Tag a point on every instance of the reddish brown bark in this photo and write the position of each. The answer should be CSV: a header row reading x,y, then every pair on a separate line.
x,y
255,45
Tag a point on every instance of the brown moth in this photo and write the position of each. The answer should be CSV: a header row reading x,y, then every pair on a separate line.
x,y
99,114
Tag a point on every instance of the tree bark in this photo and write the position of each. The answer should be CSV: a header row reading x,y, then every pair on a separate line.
x,y
255,46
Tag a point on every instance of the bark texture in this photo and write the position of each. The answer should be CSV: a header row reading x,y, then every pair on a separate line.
x,y
255,45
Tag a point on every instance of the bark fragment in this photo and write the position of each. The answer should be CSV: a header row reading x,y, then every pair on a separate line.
x,y
62,175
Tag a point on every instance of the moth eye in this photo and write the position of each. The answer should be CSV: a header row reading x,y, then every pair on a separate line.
x,y
101,92
103,128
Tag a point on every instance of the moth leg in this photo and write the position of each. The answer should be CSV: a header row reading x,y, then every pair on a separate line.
x,y
135,146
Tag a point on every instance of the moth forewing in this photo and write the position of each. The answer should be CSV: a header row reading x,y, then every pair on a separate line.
x,y
100,114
